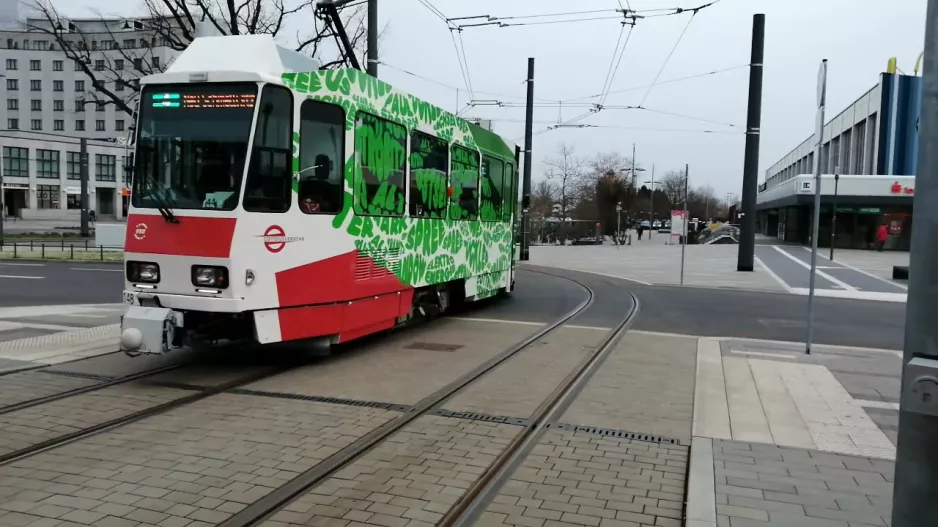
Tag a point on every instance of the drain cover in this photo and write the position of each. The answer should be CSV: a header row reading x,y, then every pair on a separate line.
x,y
433,346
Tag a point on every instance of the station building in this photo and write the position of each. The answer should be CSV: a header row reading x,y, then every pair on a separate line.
x,y
868,162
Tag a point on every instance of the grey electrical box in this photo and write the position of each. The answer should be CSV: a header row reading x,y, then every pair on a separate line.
x,y
920,394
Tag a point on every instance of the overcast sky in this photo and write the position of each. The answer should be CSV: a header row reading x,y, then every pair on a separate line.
x,y
573,59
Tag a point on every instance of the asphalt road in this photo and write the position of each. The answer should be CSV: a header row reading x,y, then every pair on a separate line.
x,y
54,283
750,314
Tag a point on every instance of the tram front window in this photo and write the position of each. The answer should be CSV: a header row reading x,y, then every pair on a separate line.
x,y
192,145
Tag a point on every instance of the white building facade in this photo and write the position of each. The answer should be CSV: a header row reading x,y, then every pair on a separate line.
x,y
43,90
41,178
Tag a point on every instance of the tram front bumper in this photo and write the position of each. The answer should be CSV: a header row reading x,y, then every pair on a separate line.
x,y
151,330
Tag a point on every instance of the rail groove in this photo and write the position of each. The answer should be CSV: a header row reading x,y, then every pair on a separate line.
x,y
432,405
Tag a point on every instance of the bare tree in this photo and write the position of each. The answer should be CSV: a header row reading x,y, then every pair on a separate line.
x,y
172,24
672,184
566,172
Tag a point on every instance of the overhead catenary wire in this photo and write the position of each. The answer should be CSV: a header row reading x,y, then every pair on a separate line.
x,y
615,70
668,58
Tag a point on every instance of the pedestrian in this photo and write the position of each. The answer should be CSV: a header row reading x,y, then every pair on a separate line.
x,y
641,229
881,236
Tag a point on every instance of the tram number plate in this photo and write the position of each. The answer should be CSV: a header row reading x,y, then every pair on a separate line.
x,y
129,297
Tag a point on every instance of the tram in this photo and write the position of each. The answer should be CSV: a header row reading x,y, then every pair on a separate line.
x,y
275,201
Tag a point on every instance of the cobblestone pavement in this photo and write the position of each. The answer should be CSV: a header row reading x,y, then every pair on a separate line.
x,y
577,478
24,386
30,426
646,385
517,387
190,467
761,485
410,480
397,372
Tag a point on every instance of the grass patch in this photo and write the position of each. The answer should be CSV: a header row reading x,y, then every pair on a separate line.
x,y
57,254
42,235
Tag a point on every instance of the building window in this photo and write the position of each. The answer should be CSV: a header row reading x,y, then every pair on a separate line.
x,y
119,125
79,85
464,175
47,196
107,44
119,85
15,161
35,65
58,105
381,147
130,43
429,162
119,64
13,84
35,105
73,165
860,147
79,125
138,64
11,64
99,125
99,65
79,105
35,85
58,125
36,124
58,85
156,63
13,104
99,106
47,164
105,167
58,65
13,124
78,64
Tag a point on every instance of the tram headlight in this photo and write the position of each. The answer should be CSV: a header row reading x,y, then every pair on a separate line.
x,y
210,276
143,272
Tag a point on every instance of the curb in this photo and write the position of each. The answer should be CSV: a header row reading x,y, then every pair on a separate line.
x,y
701,486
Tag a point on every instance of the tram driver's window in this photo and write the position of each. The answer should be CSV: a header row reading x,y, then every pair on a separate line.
x,y
322,157
269,186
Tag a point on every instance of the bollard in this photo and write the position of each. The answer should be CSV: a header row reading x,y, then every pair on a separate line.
x,y
30,245
42,249
14,250
102,252
71,252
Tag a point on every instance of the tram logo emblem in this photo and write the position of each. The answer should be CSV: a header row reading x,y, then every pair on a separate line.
x,y
275,239
140,231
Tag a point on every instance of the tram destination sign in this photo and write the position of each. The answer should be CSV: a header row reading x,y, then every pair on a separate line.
x,y
203,100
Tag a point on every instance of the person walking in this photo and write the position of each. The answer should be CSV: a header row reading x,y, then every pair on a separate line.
x,y
881,236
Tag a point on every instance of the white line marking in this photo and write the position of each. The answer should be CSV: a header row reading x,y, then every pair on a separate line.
x,y
861,271
762,354
853,295
497,320
594,328
878,404
97,269
841,283
21,277
897,353
22,265
772,274
83,315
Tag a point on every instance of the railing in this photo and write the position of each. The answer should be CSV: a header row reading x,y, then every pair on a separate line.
x,y
82,250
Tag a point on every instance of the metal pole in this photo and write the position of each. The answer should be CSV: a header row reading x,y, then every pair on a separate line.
x,y
686,219
618,223
2,205
916,476
834,213
528,161
747,231
652,212
83,171
373,38
816,214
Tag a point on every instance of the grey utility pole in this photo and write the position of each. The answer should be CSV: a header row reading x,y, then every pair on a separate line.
x,y
528,161
372,66
2,205
83,172
816,213
747,231
916,477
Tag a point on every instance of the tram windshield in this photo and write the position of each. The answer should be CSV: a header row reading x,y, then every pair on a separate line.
x,y
192,145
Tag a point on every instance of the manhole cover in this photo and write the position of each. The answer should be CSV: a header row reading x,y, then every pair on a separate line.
x,y
433,346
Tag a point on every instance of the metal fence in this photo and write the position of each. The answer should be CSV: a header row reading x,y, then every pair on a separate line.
x,y
59,250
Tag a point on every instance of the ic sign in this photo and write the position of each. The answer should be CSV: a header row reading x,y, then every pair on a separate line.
x,y
804,187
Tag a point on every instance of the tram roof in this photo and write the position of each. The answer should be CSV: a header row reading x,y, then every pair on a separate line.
x,y
247,53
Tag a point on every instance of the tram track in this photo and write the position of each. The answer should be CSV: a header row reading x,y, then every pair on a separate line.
x,y
472,503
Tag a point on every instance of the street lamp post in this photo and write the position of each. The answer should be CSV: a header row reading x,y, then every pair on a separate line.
x,y
834,212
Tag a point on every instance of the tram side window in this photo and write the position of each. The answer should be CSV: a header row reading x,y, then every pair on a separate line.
x,y
491,187
509,183
380,156
322,155
464,175
269,185
428,176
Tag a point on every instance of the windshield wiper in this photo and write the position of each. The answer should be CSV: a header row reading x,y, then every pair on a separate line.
x,y
164,205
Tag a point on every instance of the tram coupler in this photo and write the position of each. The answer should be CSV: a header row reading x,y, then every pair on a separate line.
x,y
151,330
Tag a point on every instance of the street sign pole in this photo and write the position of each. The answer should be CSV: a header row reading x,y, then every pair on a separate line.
x,y
686,219
834,213
819,132
618,223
